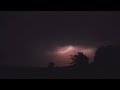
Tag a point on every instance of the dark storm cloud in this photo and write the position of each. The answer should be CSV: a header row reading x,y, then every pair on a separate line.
x,y
26,33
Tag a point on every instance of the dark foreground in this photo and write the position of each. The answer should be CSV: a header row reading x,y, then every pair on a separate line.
x,y
83,72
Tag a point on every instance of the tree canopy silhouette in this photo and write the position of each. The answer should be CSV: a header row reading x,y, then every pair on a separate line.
x,y
107,55
79,59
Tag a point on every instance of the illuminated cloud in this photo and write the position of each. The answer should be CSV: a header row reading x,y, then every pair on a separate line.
x,y
61,55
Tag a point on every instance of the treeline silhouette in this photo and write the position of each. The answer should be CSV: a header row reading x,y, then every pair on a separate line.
x,y
106,64
104,55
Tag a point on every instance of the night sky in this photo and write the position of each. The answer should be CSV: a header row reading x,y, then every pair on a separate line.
x,y
30,38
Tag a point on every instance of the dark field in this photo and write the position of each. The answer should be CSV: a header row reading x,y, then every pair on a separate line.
x,y
82,72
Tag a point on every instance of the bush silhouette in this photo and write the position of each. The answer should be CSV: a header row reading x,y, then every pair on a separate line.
x,y
79,59
51,65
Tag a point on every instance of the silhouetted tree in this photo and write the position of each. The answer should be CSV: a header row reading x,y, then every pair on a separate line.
x,y
107,55
79,59
51,65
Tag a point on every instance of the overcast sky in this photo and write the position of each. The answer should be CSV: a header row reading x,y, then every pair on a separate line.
x,y
28,34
